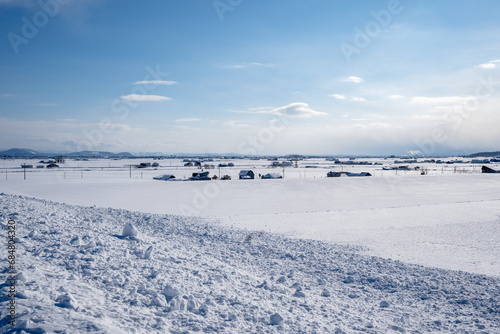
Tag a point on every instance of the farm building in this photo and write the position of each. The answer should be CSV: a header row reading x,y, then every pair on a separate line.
x,y
349,174
485,169
164,177
282,164
271,176
201,176
358,174
334,174
246,174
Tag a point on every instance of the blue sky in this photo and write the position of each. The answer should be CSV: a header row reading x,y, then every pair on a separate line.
x,y
250,77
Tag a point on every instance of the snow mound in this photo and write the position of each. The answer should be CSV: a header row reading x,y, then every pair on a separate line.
x,y
272,284
67,301
129,230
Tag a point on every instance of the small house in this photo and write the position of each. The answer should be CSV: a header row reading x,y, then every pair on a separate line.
x,y
164,177
271,176
201,176
246,174
358,174
489,170
336,174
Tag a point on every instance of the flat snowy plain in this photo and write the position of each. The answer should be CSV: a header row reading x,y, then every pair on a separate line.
x,y
401,252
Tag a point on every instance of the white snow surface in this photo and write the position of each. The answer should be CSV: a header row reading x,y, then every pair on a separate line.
x,y
444,220
211,278
104,248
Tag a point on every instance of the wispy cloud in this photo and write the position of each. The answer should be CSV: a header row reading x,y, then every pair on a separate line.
x,y
353,79
17,3
7,95
442,100
492,64
156,82
245,65
185,127
189,119
72,120
296,109
145,98
236,124
338,96
358,99
396,97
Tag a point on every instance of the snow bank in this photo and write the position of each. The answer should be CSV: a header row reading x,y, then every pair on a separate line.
x,y
210,279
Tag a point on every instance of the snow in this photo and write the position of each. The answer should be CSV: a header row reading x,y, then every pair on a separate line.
x,y
445,220
110,253
208,278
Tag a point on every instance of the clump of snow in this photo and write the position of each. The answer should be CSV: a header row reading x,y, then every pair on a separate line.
x,y
129,230
67,301
21,277
276,319
170,292
384,303
76,241
148,253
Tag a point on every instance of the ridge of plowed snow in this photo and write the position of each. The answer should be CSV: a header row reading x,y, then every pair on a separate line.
x,y
186,274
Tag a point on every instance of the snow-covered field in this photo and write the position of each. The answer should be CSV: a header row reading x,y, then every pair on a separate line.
x,y
80,274
326,254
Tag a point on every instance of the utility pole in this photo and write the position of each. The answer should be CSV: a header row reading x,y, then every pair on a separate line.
x,y
24,169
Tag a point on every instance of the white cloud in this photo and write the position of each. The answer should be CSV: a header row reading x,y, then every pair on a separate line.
x,y
189,119
296,109
19,3
358,99
72,120
338,96
396,97
492,64
354,79
244,65
236,124
156,82
184,127
442,100
487,66
145,98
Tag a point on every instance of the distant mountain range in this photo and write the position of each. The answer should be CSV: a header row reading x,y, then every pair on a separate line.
x,y
20,152
27,153
485,154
